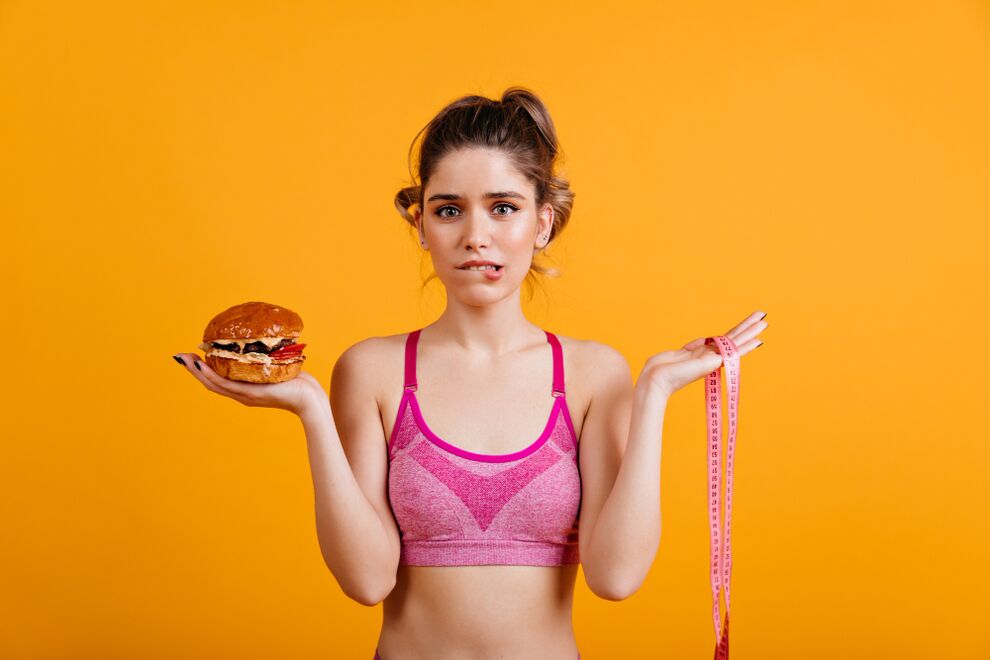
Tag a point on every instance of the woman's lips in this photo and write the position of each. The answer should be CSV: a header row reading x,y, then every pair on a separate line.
x,y
492,275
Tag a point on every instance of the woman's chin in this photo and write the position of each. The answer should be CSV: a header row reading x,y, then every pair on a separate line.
x,y
480,294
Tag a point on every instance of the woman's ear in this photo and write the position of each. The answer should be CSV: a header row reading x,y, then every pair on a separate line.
x,y
545,225
417,217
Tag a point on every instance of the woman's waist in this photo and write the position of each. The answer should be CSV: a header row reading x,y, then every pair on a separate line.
x,y
479,603
477,627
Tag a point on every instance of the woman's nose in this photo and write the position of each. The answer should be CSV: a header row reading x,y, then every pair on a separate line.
x,y
477,230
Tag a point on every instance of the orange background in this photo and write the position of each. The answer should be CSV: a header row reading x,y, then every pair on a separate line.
x,y
826,162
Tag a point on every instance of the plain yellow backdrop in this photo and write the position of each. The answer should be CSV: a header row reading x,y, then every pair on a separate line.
x,y
826,162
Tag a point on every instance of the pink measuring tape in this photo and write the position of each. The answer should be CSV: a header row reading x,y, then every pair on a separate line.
x,y
721,560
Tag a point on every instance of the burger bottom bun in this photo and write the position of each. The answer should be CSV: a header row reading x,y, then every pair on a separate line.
x,y
253,372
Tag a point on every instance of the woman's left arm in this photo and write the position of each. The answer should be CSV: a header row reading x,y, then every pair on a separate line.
x,y
620,446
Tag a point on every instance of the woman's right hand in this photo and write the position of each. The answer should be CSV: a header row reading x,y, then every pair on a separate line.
x,y
293,395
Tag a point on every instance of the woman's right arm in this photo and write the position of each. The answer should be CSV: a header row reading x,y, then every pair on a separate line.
x,y
357,532
355,526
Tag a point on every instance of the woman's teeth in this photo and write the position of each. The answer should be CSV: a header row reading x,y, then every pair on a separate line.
x,y
480,268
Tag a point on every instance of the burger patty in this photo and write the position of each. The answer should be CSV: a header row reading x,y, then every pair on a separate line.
x,y
253,347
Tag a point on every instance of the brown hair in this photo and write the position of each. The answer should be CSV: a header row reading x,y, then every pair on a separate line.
x,y
519,125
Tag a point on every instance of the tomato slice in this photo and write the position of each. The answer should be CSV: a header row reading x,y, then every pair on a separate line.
x,y
287,351
283,351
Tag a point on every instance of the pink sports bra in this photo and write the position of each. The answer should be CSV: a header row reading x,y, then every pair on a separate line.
x,y
456,508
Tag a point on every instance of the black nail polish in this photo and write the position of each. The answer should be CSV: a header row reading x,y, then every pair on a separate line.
x,y
760,344
763,317
179,360
196,362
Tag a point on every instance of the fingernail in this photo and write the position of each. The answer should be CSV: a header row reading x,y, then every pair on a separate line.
x,y
764,316
179,360
760,344
196,362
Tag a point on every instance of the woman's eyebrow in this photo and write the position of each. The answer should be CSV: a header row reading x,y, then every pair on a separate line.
x,y
453,198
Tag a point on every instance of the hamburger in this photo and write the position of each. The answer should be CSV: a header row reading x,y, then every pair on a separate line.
x,y
255,342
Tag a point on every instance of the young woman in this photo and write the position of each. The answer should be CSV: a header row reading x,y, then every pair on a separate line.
x,y
448,478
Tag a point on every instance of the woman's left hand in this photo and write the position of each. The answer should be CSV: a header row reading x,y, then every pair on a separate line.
x,y
671,370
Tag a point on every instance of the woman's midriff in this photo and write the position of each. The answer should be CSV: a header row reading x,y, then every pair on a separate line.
x,y
437,612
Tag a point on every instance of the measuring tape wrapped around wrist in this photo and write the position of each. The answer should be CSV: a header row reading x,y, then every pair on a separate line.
x,y
721,554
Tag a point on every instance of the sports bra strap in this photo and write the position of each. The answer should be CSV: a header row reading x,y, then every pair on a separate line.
x,y
558,362
411,341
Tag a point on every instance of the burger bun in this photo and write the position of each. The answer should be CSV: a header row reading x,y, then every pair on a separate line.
x,y
253,372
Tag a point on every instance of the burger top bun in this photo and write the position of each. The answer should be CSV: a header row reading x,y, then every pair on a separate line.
x,y
253,319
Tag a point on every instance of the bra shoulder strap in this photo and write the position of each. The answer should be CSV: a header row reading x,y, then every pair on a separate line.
x,y
558,364
411,340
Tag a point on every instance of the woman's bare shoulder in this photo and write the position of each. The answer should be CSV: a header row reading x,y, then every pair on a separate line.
x,y
376,346
375,357
374,353
581,348
589,356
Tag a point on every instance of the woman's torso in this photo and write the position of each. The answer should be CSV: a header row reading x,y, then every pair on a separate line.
x,y
509,611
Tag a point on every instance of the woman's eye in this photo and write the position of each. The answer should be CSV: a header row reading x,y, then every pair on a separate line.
x,y
440,211
506,205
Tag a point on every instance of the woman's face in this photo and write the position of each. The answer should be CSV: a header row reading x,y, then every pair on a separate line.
x,y
477,206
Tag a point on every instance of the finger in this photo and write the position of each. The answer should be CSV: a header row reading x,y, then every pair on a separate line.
x,y
695,343
209,378
225,385
751,326
748,346
750,332
191,360
744,325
